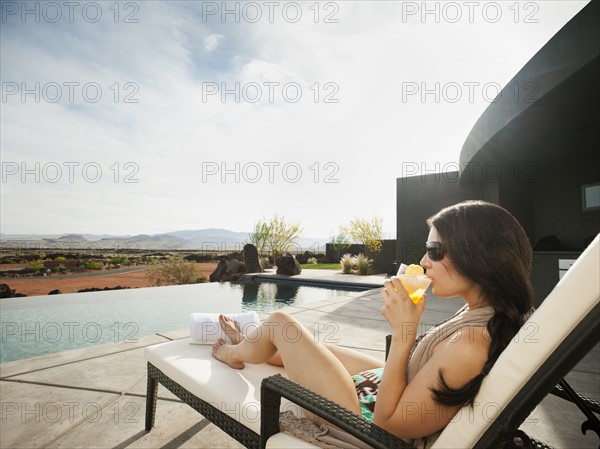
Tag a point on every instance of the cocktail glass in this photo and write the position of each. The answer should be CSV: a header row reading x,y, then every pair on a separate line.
x,y
415,285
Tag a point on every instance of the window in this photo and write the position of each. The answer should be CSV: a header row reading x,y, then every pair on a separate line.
x,y
591,196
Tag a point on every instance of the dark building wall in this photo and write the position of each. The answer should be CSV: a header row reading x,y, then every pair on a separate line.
x,y
516,195
558,201
417,199
384,261
381,261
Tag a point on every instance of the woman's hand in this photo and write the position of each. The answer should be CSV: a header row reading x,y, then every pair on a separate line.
x,y
398,309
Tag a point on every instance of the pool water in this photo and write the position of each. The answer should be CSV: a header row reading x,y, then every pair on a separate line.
x,y
39,325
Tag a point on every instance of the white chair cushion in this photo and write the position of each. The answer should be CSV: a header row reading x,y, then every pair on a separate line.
x,y
572,299
283,440
233,392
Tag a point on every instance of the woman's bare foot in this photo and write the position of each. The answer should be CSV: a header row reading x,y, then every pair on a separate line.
x,y
222,351
231,328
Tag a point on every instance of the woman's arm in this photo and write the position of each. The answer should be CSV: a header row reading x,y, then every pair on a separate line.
x,y
409,410
417,414
403,317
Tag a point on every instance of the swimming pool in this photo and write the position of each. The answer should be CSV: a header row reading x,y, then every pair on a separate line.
x,y
39,325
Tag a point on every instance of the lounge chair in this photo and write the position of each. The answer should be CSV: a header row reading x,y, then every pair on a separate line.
x,y
563,329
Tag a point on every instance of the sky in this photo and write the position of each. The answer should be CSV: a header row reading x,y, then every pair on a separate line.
x,y
144,117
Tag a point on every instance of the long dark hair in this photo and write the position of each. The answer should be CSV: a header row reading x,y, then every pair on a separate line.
x,y
487,245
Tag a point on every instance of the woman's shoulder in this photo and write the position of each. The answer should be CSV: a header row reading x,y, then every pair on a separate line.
x,y
463,353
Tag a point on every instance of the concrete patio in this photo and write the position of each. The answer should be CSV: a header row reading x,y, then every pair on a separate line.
x,y
95,397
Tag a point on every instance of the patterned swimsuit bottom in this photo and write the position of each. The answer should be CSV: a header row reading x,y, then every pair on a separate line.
x,y
367,384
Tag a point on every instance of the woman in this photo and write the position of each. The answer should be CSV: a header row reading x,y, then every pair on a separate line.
x,y
476,251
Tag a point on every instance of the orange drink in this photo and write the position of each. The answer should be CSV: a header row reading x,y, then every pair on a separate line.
x,y
414,281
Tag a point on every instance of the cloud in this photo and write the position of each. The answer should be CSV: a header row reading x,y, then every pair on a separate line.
x,y
212,41
351,122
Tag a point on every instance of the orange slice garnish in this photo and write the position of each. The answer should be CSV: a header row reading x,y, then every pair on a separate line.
x,y
414,270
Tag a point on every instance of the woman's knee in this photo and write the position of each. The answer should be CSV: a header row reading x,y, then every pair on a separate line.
x,y
280,316
281,320
284,327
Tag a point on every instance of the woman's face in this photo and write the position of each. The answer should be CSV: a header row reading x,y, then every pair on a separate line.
x,y
446,282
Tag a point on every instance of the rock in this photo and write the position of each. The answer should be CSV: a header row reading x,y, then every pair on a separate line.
x,y
303,258
219,272
234,267
97,289
237,256
6,291
226,269
55,292
235,277
288,265
250,254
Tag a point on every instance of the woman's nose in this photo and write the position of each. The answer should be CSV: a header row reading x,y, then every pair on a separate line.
x,y
425,262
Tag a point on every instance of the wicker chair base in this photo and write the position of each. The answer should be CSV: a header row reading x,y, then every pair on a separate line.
x,y
229,425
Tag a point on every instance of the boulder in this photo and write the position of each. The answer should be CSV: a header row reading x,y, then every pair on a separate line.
x,y
6,291
235,277
237,256
288,265
250,254
227,270
303,258
235,266
97,289
219,272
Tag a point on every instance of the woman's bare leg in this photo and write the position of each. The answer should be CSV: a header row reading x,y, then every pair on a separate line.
x,y
233,331
353,360
307,362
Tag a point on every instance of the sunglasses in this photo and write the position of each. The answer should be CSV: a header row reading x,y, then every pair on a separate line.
x,y
435,250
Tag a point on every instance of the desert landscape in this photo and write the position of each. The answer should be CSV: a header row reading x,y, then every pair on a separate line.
x,y
134,277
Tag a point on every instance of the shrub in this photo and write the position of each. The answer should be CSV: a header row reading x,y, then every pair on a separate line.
x,y
176,271
347,263
90,265
60,268
363,263
36,264
312,260
119,260
265,262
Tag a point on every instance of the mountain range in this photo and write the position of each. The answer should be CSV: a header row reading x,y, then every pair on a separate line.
x,y
201,239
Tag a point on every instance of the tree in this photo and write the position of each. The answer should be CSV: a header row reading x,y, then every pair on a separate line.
x,y
367,232
175,271
260,235
340,242
282,235
276,235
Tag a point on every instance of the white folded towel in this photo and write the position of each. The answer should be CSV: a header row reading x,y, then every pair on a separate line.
x,y
205,328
